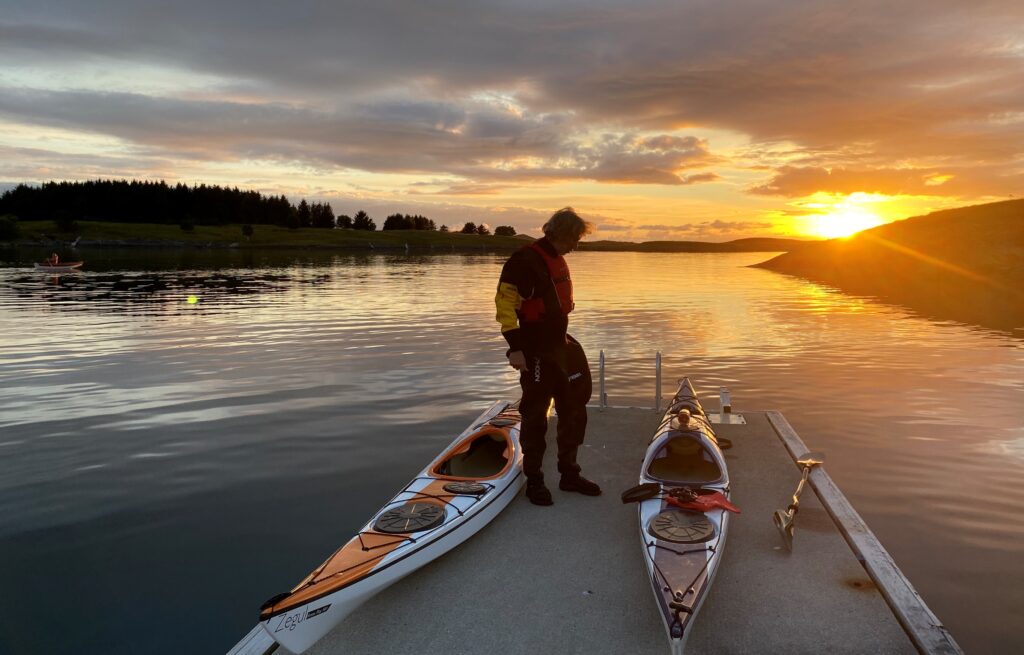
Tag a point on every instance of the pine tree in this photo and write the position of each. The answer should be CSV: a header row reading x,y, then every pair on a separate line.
x,y
304,214
362,221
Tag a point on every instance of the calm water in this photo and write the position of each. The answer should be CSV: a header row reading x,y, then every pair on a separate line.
x,y
167,465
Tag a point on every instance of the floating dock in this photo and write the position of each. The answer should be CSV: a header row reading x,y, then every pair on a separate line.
x,y
570,578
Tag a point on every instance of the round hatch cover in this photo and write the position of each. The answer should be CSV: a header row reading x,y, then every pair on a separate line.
x,y
471,488
413,517
681,527
502,422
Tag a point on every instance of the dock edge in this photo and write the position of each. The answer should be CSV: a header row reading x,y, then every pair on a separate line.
x,y
925,630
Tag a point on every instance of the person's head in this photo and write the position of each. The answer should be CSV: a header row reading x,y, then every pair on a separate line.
x,y
565,228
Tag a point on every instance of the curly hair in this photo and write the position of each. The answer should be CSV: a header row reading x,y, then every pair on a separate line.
x,y
567,223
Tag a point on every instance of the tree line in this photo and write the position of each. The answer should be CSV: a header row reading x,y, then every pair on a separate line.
x,y
123,201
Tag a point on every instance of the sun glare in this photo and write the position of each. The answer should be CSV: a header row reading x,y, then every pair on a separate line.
x,y
844,217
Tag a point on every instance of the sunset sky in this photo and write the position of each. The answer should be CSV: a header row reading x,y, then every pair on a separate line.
x,y
657,120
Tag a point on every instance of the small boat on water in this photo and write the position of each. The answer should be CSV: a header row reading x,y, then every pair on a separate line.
x,y
458,493
684,509
52,264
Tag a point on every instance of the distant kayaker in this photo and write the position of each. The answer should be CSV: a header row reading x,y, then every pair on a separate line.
x,y
534,300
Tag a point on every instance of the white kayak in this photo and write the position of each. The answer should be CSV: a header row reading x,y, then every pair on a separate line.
x,y
57,268
683,522
458,493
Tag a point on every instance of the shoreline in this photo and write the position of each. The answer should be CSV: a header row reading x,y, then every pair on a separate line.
x,y
97,234
131,244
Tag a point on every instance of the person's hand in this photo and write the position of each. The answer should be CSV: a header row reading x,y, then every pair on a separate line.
x,y
517,360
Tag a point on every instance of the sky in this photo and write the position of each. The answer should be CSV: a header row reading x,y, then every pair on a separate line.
x,y
654,119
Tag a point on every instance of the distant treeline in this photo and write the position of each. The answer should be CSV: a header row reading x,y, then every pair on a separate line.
x,y
123,201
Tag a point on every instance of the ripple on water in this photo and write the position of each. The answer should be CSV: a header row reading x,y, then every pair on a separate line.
x,y
313,371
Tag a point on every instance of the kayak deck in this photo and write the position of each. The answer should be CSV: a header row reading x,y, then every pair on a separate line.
x,y
570,578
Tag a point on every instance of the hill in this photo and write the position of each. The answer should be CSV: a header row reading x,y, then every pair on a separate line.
x,y
964,264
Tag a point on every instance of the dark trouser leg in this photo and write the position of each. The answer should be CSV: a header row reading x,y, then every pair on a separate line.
x,y
572,427
535,381
571,398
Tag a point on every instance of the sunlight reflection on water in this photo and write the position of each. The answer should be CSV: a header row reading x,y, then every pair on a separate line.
x,y
120,396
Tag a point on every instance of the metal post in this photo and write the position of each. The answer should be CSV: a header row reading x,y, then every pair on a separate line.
x,y
657,381
602,397
724,402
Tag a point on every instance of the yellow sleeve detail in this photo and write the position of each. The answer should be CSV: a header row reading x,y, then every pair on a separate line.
x,y
507,301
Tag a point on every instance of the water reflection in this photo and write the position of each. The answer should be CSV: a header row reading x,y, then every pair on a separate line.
x,y
128,288
314,377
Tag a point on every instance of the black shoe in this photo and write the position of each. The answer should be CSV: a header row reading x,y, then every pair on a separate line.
x,y
538,494
578,483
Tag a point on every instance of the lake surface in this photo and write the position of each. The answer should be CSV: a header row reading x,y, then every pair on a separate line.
x,y
168,465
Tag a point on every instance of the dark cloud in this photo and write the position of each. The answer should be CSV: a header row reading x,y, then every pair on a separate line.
x,y
407,137
387,137
517,92
655,160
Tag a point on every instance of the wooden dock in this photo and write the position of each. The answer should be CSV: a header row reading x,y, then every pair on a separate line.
x,y
570,578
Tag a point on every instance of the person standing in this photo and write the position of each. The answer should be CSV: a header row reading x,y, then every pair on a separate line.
x,y
533,302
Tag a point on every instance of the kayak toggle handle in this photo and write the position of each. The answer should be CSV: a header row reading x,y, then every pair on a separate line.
x,y
676,629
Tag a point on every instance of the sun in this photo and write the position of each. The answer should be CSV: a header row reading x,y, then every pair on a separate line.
x,y
845,217
845,222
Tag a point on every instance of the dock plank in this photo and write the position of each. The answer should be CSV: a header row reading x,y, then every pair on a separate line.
x,y
919,622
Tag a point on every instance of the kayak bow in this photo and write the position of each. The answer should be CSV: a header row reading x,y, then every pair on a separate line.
x,y
458,493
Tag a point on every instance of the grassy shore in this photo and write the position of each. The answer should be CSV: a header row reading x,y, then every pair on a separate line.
x,y
100,233
264,236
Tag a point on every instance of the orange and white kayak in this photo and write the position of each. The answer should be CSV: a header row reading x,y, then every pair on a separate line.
x,y
684,517
458,493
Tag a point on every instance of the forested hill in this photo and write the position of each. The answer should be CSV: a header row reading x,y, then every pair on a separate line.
x,y
964,264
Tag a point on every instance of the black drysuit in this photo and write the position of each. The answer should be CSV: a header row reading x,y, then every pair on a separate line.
x,y
556,366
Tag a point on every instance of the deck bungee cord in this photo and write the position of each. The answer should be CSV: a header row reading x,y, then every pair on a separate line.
x,y
676,603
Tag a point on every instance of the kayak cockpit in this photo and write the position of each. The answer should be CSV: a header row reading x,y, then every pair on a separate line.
x,y
684,458
482,455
